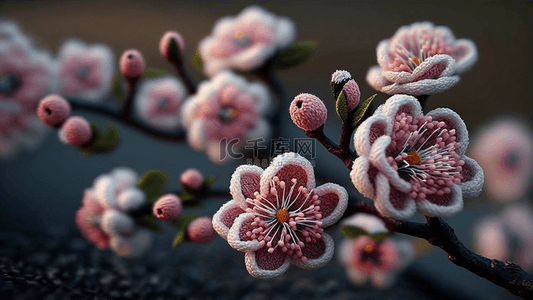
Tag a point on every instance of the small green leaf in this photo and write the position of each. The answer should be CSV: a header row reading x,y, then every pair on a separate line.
x,y
178,239
183,221
361,110
209,180
341,106
379,236
152,184
197,61
153,73
294,55
101,141
148,221
185,196
117,87
352,232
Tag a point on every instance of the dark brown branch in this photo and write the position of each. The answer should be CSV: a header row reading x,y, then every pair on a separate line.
x,y
438,233
346,157
132,88
346,135
187,79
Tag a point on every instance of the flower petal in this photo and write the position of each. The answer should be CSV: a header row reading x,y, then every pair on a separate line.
x,y
490,239
104,189
225,216
398,104
473,178
244,183
382,279
375,79
262,264
318,253
197,136
422,87
357,277
333,202
363,176
442,206
390,202
434,67
465,55
238,237
378,158
366,222
453,121
286,167
367,133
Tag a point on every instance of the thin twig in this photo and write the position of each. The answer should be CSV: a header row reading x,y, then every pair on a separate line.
x,y
346,157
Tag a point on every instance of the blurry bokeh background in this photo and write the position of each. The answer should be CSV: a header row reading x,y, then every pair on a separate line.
x,y
40,191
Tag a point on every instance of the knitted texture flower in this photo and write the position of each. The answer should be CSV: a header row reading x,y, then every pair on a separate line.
x,y
25,77
421,59
408,160
245,42
378,262
85,71
228,107
277,216
158,102
104,217
504,149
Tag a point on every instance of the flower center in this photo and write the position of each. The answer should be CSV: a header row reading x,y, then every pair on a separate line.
x,y
282,215
428,158
511,160
9,83
369,248
228,113
286,217
242,40
162,103
82,73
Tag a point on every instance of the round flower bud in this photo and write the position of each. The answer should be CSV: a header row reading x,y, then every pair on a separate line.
x,y
308,112
200,230
192,178
132,63
116,223
352,94
338,79
167,207
53,110
77,131
164,44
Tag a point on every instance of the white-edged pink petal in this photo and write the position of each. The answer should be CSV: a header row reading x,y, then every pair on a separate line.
x,y
366,222
375,78
371,129
225,216
422,87
333,202
454,121
361,178
238,231
473,178
384,198
433,67
465,55
318,253
262,264
401,104
244,183
378,158
454,204
196,136
288,166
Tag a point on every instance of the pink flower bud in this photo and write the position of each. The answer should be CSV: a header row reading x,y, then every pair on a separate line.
x,y
192,178
167,207
164,44
77,131
200,230
308,112
352,93
132,63
53,110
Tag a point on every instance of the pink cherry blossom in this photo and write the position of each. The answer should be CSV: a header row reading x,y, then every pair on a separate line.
x,y
421,59
227,107
85,71
158,102
245,42
380,262
278,215
504,149
88,220
408,160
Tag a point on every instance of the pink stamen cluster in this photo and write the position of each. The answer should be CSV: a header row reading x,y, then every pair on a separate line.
x,y
423,152
284,220
408,50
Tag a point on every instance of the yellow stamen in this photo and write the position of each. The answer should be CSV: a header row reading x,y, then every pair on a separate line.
x,y
282,215
369,248
415,60
413,158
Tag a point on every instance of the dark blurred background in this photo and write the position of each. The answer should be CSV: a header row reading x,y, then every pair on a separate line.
x,y
40,191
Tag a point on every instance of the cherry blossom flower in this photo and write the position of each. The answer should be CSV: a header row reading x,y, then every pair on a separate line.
x,y
245,42
104,217
507,236
408,160
228,107
85,71
378,262
504,149
421,59
277,216
158,102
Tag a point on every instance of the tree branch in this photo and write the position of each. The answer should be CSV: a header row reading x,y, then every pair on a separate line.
x,y
347,157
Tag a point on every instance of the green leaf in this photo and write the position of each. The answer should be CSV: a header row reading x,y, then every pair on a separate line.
x,y
117,87
178,239
352,232
294,55
197,61
341,106
185,196
361,110
148,221
209,180
183,221
152,184
153,73
101,141
379,236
